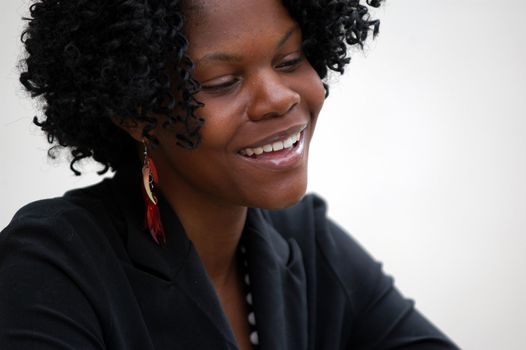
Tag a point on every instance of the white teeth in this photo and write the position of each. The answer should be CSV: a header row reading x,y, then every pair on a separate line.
x,y
275,146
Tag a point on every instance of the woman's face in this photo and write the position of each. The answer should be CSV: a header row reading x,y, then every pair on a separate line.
x,y
259,93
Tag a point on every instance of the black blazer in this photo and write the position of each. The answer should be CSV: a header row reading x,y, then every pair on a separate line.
x,y
80,272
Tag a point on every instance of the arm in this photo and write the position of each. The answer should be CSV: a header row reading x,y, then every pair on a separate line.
x,y
384,319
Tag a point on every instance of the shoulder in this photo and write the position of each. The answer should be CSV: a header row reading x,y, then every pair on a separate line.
x,y
346,277
75,201
76,219
58,214
68,238
56,269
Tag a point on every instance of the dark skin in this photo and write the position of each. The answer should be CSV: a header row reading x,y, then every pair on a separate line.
x,y
256,82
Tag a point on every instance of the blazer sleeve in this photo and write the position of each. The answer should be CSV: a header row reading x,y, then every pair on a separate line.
x,y
382,317
43,303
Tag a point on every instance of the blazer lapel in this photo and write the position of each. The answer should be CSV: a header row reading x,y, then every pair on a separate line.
x,y
180,307
278,285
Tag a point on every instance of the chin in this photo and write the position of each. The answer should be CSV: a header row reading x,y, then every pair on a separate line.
x,y
281,197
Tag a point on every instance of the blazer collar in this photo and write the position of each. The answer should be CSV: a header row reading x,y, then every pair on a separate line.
x,y
277,275
278,285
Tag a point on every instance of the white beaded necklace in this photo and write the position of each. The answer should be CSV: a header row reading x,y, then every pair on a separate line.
x,y
254,339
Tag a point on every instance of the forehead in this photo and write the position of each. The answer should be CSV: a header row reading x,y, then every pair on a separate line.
x,y
203,10
212,24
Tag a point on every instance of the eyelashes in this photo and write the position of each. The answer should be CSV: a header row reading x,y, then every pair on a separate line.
x,y
286,66
291,64
220,87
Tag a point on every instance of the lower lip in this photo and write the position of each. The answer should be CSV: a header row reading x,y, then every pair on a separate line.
x,y
284,159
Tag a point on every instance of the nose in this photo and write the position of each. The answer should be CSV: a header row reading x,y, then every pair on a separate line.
x,y
271,96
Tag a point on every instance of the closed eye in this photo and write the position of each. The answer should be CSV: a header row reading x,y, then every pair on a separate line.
x,y
222,87
291,64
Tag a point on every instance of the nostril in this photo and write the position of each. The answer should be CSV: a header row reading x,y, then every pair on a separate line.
x,y
292,106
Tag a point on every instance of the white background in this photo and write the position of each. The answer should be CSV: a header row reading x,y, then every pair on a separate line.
x,y
419,152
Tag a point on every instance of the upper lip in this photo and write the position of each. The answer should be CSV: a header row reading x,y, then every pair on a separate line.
x,y
278,136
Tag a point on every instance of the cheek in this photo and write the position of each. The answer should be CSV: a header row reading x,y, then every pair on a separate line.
x,y
218,128
317,92
313,94
222,118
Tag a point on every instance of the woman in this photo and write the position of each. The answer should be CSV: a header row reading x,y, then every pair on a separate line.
x,y
205,110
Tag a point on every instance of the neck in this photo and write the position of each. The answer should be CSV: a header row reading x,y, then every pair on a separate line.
x,y
214,229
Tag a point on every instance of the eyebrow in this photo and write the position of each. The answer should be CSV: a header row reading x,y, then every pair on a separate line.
x,y
227,57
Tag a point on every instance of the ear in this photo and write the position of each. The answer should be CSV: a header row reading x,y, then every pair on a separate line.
x,y
133,127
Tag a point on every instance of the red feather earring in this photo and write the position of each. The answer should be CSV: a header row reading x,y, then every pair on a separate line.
x,y
150,180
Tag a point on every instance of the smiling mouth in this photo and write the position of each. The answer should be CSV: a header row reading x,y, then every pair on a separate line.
x,y
271,148
283,159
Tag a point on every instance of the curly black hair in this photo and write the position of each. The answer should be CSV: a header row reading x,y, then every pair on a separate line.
x,y
96,61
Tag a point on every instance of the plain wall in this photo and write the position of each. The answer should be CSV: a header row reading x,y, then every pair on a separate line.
x,y
419,152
